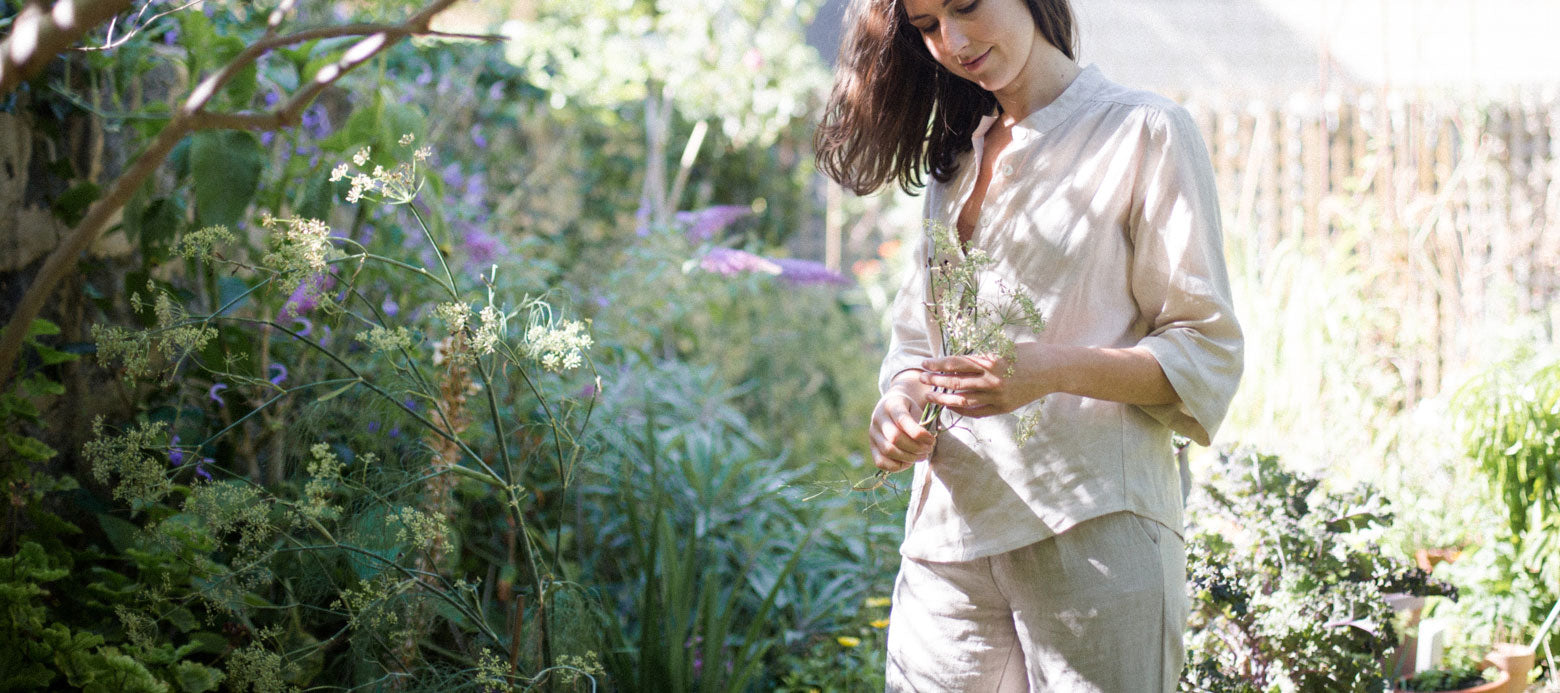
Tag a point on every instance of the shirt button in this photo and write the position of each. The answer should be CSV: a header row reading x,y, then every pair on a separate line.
x,y
1007,170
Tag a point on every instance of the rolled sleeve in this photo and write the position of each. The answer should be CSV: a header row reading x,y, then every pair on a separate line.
x,y
1179,279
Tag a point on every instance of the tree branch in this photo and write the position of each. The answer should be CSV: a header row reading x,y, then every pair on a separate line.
x,y
40,33
190,118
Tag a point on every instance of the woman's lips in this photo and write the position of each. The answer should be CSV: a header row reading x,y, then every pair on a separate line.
x,y
975,64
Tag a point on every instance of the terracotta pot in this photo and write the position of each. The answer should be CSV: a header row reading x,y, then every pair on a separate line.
x,y
1512,662
1515,661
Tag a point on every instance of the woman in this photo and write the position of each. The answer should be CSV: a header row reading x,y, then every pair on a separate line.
x,y
1055,562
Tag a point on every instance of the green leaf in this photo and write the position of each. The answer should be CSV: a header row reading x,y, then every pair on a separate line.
x,y
159,224
120,532
241,88
18,406
315,197
337,392
196,678
226,166
229,288
182,619
197,33
72,204
39,386
50,356
179,158
29,447
42,328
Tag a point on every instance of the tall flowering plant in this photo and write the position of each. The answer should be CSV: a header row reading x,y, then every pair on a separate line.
x,y
465,376
975,312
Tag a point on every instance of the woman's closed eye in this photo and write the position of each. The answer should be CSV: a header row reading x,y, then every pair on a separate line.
x,y
967,9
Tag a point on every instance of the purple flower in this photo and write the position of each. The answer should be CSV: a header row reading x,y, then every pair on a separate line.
x,y
278,374
805,272
316,121
200,468
602,301
587,392
495,92
425,77
390,307
272,98
212,393
475,189
452,176
477,138
373,426
266,138
305,297
175,455
482,248
731,262
703,224
642,219
171,37
303,326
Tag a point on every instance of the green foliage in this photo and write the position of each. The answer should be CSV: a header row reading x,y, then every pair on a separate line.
x,y
609,52
1466,675
1513,419
1288,583
1511,424
851,659
225,166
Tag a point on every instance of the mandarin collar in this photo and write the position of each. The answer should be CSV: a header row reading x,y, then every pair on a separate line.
x,y
1047,117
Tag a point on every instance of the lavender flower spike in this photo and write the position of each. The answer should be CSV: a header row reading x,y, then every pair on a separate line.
x,y
806,272
731,262
704,224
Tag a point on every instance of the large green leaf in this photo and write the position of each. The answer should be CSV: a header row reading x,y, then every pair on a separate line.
x,y
158,225
226,165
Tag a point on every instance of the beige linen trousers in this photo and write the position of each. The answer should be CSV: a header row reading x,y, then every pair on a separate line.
x,y
1100,607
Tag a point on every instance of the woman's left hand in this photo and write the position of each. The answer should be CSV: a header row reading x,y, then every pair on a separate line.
x,y
985,385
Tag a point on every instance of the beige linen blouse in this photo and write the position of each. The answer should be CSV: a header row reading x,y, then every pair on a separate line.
x,y
1103,210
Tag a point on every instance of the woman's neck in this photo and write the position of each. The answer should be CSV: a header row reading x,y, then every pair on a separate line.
x,y
1046,74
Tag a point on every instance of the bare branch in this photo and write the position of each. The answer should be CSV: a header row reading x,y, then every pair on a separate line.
x,y
189,118
112,44
40,33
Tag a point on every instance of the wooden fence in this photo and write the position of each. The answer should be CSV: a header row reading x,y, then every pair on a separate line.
x,y
1453,207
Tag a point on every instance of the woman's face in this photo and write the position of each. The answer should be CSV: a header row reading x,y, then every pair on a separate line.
x,y
987,42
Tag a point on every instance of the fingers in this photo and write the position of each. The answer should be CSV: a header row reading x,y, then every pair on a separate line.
x,y
898,440
960,373
952,364
886,456
898,409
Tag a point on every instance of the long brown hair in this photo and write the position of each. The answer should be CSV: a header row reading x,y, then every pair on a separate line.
x,y
895,113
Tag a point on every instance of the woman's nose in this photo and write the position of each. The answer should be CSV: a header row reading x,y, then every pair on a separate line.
x,y
954,40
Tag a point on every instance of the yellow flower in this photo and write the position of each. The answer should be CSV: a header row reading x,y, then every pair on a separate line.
x,y
848,641
880,623
878,602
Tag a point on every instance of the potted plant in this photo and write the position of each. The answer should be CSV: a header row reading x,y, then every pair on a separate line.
x,y
1511,662
1464,678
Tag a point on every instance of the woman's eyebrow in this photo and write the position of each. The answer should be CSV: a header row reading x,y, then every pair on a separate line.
x,y
914,17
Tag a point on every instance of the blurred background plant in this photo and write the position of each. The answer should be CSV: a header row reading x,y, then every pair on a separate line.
x,y
1288,584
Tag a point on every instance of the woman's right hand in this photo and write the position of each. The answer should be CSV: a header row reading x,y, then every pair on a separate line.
x,y
898,438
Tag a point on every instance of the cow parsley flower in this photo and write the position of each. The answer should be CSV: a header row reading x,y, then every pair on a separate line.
x,y
558,346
